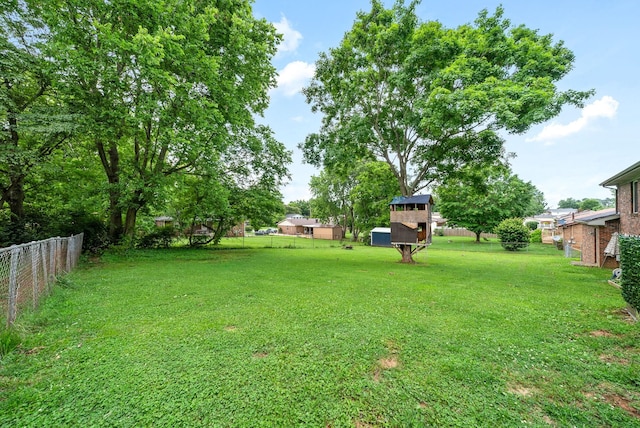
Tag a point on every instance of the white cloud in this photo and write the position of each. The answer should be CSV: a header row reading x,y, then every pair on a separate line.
x,y
605,107
294,76
291,37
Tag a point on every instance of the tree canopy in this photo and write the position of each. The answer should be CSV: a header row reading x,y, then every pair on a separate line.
x,y
431,100
483,198
162,87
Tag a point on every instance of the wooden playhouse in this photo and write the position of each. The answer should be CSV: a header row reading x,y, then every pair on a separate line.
x,y
411,221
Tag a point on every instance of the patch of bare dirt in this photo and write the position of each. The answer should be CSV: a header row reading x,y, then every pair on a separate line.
x,y
388,363
383,364
605,358
522,390
600,333
34,351
261,355
623,403
230,328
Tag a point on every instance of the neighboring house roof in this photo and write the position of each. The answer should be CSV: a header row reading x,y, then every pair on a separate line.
x,y
626,176
299,222
436,217
590,218
304,222
163,218
559,212
415,199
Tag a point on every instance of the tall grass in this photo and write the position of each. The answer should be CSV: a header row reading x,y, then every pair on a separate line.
x,y
327,337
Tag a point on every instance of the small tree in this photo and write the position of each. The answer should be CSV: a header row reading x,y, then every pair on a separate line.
x,y
630,264
513,234
533,225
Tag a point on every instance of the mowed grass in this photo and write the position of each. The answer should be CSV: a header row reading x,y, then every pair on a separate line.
x,y
327,337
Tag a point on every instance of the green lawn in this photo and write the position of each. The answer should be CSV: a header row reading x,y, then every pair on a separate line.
x,y
471,335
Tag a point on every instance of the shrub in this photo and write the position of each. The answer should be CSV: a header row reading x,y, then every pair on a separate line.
x,y
630,265
513,234
533,225
159,238
536,236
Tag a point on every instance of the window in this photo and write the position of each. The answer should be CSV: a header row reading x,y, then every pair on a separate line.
x,y
634,196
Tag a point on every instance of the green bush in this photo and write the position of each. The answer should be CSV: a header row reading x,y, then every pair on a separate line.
x,y
513,234
159,238
536,236
630,265
533,225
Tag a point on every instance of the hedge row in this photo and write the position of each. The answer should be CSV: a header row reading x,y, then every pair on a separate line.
x,y
630,265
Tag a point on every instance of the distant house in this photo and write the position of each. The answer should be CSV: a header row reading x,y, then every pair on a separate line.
x,y
163,221
590,232
625,184
327,231
310,228
548,222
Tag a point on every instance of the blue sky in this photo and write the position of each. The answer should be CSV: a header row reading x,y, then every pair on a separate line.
x,y
566,157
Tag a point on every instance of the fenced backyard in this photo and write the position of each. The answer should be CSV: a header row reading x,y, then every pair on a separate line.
x,y
291,336
27,271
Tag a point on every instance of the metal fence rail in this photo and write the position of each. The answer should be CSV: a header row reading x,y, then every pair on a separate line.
x,y
28,271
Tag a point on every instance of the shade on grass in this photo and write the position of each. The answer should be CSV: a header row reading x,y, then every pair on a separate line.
x,y
327,337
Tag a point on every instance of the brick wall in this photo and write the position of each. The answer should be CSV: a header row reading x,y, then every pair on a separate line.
x,y
629,221
588,242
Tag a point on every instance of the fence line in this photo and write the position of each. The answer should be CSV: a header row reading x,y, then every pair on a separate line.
x,y
446,231
28,271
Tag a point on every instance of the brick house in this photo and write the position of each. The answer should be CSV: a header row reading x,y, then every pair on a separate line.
x,y
310,228
625,184
590,232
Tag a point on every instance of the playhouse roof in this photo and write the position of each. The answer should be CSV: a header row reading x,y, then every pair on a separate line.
x,y
415,199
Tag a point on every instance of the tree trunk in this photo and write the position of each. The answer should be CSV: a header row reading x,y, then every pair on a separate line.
x,y
130,221
132,213
14,197
110,160
407,257
478,237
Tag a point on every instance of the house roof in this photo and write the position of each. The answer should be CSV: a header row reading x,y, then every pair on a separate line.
x,y
591,218
625,176
305,222
415,199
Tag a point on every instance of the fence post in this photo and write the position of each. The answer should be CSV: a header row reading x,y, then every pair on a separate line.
x,y
43,256
34,272
69,248
12,309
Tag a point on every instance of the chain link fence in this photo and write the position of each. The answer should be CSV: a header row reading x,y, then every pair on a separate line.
x,y
28,271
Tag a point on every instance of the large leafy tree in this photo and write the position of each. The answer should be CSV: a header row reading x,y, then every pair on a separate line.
x,y
33,121
430,100
162,87
481,199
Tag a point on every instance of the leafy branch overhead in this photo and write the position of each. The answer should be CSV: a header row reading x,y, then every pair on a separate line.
x,y
428,99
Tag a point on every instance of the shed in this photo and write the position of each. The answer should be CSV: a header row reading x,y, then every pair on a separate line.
x,y
327,231
381,237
